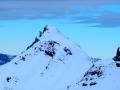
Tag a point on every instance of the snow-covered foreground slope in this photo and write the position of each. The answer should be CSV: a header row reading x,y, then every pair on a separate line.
x,y
103,75
52,62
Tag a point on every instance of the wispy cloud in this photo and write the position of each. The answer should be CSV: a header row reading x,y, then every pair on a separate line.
x,y
80,11
104,20
34,9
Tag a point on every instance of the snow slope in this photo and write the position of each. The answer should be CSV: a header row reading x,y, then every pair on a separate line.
x,y
103,75
52,62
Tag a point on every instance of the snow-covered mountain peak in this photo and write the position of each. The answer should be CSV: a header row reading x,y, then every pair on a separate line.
x,y
53,62
50,58
51,42
50,28
50,32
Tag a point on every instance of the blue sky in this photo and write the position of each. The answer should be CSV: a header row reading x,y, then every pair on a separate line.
x,y
94,25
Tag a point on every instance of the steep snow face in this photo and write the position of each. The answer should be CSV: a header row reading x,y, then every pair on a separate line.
x,y
51,62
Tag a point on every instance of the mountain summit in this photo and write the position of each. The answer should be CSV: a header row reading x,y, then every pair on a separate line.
x,y
52,62
50,28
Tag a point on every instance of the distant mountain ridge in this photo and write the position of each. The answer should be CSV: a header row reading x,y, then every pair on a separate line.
x,y
5,58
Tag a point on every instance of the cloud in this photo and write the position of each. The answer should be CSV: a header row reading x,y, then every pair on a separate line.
x,y
30,9
34,9
104,20
80,11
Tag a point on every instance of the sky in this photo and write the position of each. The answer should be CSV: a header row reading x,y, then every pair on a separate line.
x,y
93,24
